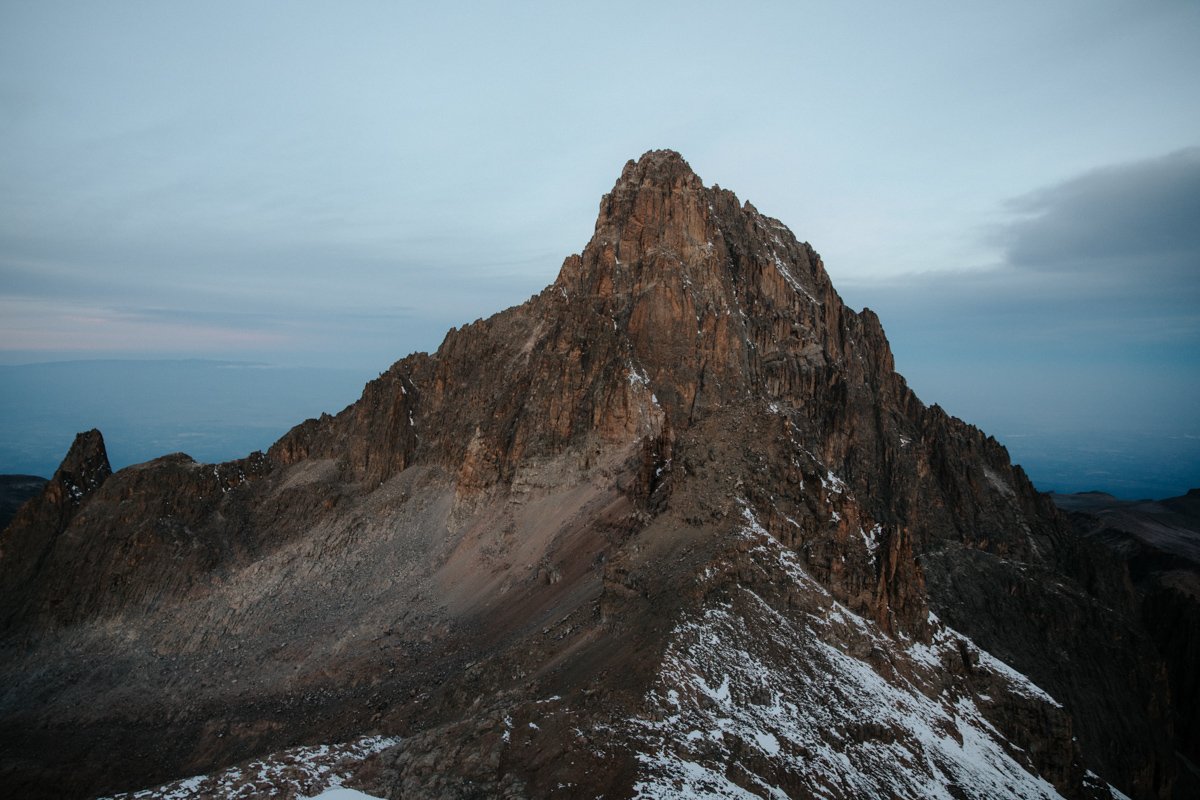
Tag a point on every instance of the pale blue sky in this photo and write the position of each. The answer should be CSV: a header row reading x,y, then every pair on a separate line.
x,y
335,184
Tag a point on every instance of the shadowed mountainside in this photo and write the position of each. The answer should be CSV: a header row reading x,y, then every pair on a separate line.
x,y
1158,541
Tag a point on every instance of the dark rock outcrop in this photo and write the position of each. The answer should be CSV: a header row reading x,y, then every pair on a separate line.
x,y
683,485
33,534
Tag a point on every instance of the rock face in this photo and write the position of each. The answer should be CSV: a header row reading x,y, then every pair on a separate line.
x,y
672,527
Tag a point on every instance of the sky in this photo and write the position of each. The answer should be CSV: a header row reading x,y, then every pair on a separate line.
x,y
1014,188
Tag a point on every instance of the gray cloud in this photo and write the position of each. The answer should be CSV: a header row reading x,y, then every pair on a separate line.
x,y
1113,246
1091,319
318,320
1139,217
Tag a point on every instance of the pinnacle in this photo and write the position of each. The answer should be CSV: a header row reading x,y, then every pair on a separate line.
x,y
88,446
658,167
86,465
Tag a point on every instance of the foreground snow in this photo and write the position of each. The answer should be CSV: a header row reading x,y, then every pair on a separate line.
x,y
751,702
343,794
829,721
301,773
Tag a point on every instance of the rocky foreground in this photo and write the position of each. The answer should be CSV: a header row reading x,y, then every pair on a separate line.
x,y
674,527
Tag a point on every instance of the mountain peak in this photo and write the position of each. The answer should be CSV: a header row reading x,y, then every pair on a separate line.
x,y
658,206
660,168
86,464
680,490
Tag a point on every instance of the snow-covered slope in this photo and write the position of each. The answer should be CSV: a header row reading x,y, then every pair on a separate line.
x,y
756,700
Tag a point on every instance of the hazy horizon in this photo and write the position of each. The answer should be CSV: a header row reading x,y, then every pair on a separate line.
x,y
219,411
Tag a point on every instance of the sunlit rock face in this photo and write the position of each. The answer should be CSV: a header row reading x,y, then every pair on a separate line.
x,y
673,527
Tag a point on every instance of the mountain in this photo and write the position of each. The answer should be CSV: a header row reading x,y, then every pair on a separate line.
x,y
673,527
1158,543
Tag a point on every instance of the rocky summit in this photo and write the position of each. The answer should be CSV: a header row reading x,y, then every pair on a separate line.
x,y
674,527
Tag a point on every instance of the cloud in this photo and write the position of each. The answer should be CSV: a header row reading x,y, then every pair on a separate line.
x,y
1102,251
1139,219
1090,317
38,329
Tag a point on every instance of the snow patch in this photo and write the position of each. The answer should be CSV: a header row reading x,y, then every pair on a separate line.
x,y
342,794
320,769
998,483
742,684
871,539
1096,781
833,483
1017,680
791,279
637,377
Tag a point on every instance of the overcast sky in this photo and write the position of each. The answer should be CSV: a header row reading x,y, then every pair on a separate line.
x,y
1014,187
